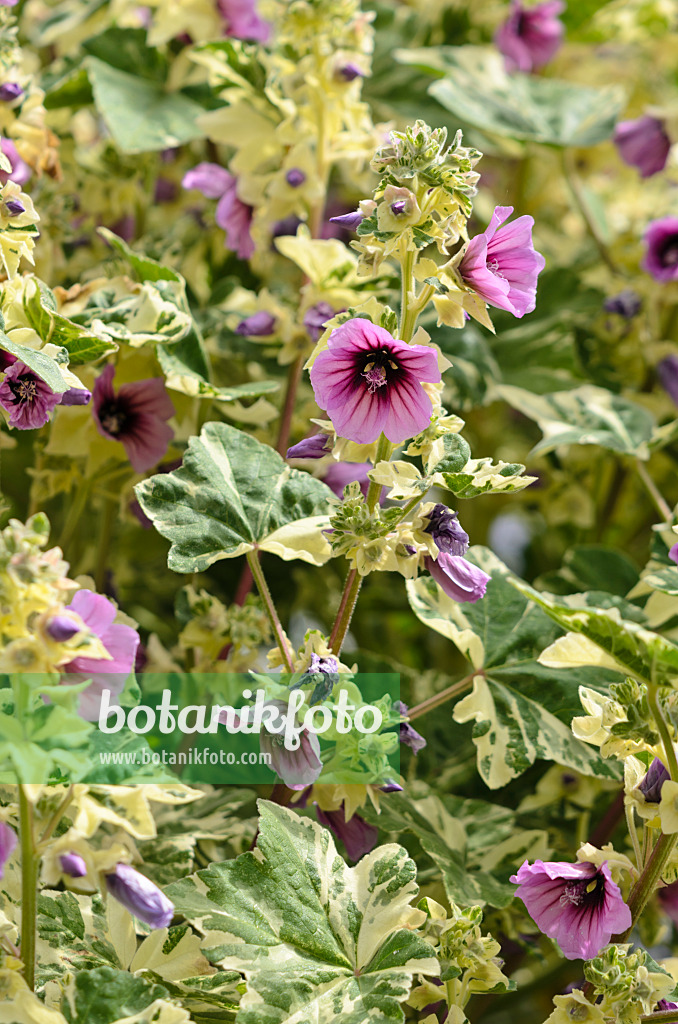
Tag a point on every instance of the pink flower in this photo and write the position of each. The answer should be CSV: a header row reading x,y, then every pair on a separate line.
x,y
661,259
136,417
20,172
461,580
297,768
243,22
502,264
232,214
8,843
643,143
27,399
369,382
121,642
577,904
530,36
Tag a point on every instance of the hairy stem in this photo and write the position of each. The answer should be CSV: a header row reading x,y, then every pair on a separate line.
x,y
346,608
30,864
442,698
58,814
265,594
293,379
645,886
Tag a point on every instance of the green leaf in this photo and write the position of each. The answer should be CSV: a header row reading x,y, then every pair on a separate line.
x,y
482,476
146,268
626,644
105,995
178,362
316,940
665,580
522,709
585,415
141,114
234,494
138,314
477,89
81,344
469,841
40,363
457,453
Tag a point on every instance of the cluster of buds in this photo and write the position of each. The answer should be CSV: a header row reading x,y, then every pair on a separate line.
x,y
628,984
620,724
226,636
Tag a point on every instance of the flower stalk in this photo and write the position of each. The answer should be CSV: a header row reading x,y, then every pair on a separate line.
x,y
30,865
265,594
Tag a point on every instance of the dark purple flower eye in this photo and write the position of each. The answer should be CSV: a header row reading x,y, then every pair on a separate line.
x,y
136,416
661,258
295,177
140,896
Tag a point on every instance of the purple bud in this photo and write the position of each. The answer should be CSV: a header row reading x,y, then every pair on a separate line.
x,y
349,72
626,304
391,787
76,396
651,785
62,628
14,207
327,665
140,896
8,841
409,736
398,207
644,144
350,221
357,836
667,371
664,1004
444,527
673,553
310,448
315,319
295,177
73,864
298,767
165,191
10,91
259,325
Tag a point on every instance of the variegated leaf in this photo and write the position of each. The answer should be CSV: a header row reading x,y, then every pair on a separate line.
x,y
316,940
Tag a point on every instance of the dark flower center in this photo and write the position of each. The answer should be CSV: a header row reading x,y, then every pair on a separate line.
x,y
587,893
24,388
378,369
669,252
114,418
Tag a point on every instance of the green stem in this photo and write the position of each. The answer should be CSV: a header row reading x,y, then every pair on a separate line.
x,y
346,608
633,833
645,886
662,1017
441,698
577,192
384,449
58,814
30,864
408,314
652,489
660,722
265,594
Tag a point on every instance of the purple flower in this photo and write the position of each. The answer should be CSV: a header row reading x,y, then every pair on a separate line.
x,y
408,735
27,399
460,579
315,319
314,447
259,325
136,417
643,143
297,768
391,787
8,3
120,641
503,265
446,531
140,896
664,1004
232,214
14,207
661,259
577,904
627,304
242,20
369,382
10,91
76,396
357,836
668,901
20,172
667,371
62,628
8,843
673,553
165,190
295,177
349,72
530,36
350,221
339,474
330,664
6,359
73,864
651,784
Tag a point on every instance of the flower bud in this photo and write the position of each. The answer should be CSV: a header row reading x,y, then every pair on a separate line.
x,y
297,768
10,91
140,896
73,864
260,324
315,318
350,221
409,736
76,396
446,531
626,304
391,787
62,628
295,177
651,785
644,144
310,448
349,72
8,841
14,207
461,580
